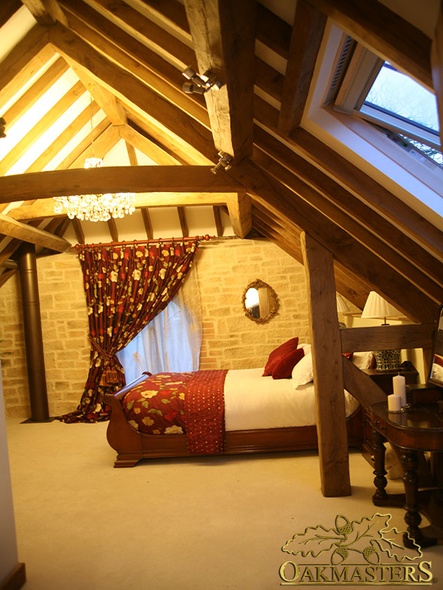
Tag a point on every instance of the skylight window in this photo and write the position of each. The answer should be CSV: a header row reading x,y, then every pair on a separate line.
x,y
379,93
404,106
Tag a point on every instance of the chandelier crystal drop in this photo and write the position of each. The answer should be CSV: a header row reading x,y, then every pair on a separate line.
x,y
100,207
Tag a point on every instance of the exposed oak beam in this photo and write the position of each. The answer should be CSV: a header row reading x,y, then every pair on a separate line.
x,y
32,235
360,183
195,139
36,91
42,208
147,146
387,337
46,12
358,220
240,213
8,9
279,230
140,179
23,62
384,32
328,375
223,35
40,127
353,255
64,137
307,33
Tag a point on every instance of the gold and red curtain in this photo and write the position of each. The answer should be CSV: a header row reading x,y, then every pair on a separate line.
x,y
126,286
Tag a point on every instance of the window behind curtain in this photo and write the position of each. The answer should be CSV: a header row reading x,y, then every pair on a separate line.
x,y
171,341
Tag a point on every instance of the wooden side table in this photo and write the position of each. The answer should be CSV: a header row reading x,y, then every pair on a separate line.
x,y
384,380
418,428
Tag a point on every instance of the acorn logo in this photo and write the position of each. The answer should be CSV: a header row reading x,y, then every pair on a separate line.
x,y
359,552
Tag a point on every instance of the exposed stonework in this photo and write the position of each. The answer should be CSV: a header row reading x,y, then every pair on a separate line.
x,y
230,339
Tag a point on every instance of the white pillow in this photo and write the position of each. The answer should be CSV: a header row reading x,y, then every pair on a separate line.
x,y
362,360
302,372
306,348
437,371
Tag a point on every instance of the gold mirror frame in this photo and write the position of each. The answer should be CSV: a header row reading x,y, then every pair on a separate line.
x,y
272,303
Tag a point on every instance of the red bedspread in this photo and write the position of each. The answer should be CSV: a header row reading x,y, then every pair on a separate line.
x,y
177,403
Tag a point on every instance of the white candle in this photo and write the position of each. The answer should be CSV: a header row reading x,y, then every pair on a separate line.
x,y
394,403
399,387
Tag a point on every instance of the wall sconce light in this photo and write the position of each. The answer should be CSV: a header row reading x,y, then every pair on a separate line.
x,y
224,162
199,84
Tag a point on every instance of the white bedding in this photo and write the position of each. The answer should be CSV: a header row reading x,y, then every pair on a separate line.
x,y
253,401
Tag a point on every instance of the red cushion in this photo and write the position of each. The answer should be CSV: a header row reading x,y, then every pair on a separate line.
x,y
283,369
278,353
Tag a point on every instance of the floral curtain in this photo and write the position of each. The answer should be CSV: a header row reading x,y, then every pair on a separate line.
x,y
126,286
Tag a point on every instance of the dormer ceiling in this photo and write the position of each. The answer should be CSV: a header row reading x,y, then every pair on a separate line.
x,y
105,78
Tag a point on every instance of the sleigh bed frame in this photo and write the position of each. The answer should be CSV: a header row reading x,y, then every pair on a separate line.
x,y
132,446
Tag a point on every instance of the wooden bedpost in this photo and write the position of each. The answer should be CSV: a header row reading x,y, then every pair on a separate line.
x,y
328,371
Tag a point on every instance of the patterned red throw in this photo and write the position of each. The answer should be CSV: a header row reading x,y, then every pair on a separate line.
x,y
178,403
205,413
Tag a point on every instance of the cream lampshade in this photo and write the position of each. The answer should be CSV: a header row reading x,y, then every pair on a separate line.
x,y
342,308
378,308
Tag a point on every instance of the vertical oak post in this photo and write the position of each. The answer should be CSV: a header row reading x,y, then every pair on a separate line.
x,y
327,366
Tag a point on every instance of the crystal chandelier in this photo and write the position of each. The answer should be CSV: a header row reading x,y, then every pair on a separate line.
x,y
99,207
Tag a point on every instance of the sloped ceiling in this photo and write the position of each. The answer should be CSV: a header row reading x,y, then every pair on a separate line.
x,y
105,78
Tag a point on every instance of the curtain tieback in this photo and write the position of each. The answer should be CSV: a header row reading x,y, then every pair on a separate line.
x,y
110,374
102,353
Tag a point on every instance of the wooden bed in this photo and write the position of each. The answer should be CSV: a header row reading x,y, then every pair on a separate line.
x,y
132,445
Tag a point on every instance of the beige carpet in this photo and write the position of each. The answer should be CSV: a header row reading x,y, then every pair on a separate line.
x,y
200,524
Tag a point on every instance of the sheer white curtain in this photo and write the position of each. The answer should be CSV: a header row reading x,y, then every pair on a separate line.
x,y
172,340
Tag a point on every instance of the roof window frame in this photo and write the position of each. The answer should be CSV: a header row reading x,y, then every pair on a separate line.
x,y
358,72
415,180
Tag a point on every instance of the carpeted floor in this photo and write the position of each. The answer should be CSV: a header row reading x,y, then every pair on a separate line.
x,y
207,523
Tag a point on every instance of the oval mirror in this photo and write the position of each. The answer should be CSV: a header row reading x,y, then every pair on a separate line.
x,y
260,302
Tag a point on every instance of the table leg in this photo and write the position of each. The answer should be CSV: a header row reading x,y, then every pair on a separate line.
x,y
380,496
409,461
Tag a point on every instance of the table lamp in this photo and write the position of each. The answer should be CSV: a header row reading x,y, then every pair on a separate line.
x,y
378,308
342,308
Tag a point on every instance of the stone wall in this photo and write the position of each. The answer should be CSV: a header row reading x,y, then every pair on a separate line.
x,y
230,339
